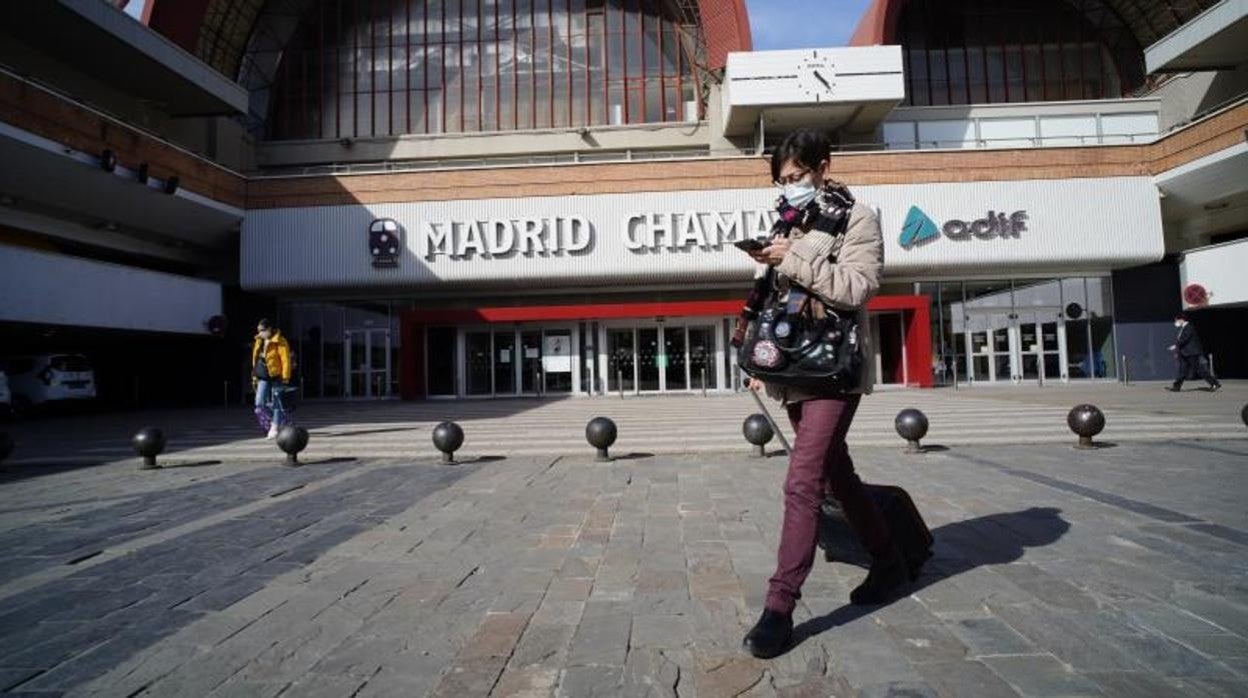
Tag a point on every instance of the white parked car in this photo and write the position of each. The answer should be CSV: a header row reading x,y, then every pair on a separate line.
x,y
35,380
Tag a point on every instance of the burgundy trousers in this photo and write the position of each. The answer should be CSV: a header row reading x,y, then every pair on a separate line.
x,y
820,463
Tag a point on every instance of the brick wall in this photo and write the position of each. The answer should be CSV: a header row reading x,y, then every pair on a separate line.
x,y
914,167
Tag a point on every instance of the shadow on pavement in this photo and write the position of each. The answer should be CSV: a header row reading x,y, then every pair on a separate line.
x,y
633,456
996,539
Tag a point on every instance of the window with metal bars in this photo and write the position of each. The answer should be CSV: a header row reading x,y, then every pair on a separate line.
x,y
984,51
362,68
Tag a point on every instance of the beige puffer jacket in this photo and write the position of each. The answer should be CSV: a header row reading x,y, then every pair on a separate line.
x,y
846,285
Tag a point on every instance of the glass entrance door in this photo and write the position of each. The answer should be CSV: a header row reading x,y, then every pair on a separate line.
x,y
1038,354
701,358
989,354
505,362
661,358
530,361
557,361
621,361
368,363
649,359
674,365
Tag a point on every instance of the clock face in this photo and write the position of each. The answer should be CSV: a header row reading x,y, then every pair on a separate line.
x,y
816,76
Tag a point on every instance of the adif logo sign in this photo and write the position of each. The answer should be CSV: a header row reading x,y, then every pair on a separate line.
x,y
919,229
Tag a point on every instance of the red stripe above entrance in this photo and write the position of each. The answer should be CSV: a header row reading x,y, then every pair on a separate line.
x,y
575,312
915,312
606,311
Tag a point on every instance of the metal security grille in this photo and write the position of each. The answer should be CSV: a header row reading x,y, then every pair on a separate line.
x,y
984,51
332,69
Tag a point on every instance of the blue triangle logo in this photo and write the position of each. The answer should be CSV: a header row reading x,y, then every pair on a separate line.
x,y
918,229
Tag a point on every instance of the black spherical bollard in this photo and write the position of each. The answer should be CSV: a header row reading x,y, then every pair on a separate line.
x,y
292,440
6,445
447,438
911,425
1086,421
601,433
757,430
149,442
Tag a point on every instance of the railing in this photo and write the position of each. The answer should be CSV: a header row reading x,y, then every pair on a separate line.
x,y
117,120
1024,125
1027,142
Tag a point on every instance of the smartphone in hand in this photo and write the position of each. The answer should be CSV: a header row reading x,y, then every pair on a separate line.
x,y
750,245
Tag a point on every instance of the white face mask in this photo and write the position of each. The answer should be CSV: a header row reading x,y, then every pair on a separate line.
x,y
1178,323
799,194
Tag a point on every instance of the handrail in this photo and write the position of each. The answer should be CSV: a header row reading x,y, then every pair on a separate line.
x,y
624,156
78,102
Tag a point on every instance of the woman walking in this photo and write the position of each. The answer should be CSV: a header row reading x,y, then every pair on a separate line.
x,y
844,272
271,370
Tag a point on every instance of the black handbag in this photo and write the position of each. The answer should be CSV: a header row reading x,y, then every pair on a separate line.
x,y
799,341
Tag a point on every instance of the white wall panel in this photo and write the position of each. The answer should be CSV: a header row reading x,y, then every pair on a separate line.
x,y
58,290
1220,269
1071,226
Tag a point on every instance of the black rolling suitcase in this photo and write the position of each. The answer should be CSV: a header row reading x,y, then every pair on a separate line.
x,y
909,531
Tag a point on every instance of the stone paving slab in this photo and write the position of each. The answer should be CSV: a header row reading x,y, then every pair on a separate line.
x,y
1114,572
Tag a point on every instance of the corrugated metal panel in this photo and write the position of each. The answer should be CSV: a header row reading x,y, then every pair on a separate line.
x,y
59,290
1071,226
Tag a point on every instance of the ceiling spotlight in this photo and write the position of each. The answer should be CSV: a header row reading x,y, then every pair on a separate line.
x,y
171,184
108,160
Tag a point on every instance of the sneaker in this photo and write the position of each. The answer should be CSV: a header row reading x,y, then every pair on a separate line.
x,y
1215,388
1172,389
883,580
272,432
770,636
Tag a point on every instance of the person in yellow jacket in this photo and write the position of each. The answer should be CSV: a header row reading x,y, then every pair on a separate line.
x,y
270,370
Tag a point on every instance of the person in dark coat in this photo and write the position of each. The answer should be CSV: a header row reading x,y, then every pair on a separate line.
x,y
1190,356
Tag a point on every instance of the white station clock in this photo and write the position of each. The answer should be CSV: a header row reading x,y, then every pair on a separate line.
x,y
816,76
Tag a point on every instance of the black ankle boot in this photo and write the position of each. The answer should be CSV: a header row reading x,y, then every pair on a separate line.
x,y
882,581
770,636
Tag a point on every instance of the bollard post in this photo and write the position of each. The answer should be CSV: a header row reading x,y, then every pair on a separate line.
x,y
149,442
601,433
1086,421
758,431
1211,371
767,415
291,440
955,373
1126,374
447,438
704,382
619,382
911,425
